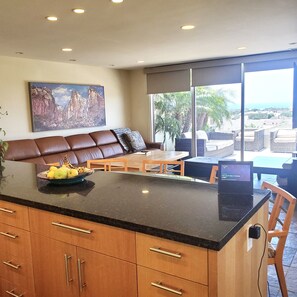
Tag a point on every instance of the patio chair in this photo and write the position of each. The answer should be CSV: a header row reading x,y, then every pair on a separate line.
x,y
278,227
253,140
283,141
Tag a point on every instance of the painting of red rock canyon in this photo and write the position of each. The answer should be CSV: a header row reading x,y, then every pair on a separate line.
x,y
57,106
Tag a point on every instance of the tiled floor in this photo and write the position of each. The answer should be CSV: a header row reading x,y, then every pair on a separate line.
x,y
289,258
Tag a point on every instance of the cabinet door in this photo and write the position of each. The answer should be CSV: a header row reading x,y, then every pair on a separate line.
x,y
101,275
55,268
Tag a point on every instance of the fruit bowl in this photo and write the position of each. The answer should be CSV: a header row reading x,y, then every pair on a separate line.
x,y
66,181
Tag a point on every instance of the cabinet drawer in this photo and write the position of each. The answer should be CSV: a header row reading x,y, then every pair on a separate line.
x,y
174,258
15,241
16,269
152,283
14,215
9,289
108,240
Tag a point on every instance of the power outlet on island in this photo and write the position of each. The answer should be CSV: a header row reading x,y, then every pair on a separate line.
x,y
249,241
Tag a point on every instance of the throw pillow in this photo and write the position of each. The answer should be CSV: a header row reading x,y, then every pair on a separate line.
x,y
200,134
135,141
120,134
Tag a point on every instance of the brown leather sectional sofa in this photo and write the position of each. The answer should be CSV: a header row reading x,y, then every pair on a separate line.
x,y
79,148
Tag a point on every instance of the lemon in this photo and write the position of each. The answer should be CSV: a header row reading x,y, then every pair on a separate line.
x,y
53,168
51,174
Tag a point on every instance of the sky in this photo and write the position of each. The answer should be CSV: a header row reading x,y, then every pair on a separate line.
x,y
272,88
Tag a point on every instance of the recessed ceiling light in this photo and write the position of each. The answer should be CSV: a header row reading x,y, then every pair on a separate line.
x,y
187,27
19,53
72,60
78,10
67,49
145,191
140,61
242,48
292,43
117,1
52,18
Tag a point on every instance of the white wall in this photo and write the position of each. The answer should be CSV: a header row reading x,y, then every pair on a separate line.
x,y
15,73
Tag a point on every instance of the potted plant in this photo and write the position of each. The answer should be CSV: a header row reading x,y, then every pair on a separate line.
x,y
3,144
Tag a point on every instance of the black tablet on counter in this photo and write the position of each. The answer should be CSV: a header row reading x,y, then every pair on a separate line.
x,y
235,177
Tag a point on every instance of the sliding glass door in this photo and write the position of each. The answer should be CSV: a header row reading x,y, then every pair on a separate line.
x,y
268,113
171,117
218,119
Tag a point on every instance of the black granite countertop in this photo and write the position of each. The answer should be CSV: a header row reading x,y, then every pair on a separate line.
x,y
176,209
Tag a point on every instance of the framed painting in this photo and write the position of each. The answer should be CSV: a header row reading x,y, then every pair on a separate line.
x,y
58,106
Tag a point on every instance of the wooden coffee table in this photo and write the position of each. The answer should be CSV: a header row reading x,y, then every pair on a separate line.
x,y
135,159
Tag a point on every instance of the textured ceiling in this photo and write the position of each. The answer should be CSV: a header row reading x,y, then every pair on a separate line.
x,y
118,35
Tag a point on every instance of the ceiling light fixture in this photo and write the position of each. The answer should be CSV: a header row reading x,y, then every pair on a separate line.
x,y
117,1
140,62
187,27
67,49
78,10
19,53
72,60
292,43
242,48
52,18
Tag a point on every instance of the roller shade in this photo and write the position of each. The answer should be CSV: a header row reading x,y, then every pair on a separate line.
x,y
226,74
168,82
269,65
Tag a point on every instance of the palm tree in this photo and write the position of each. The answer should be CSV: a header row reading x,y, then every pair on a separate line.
x,y
173,111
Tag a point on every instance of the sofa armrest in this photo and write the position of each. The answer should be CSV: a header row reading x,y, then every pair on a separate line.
x,y
155,145
273,135
220,135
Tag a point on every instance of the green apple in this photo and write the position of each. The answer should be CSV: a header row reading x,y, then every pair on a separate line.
x,y
72,173
61,173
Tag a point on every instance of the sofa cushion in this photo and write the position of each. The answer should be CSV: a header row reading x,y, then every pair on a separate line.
x,y
22,149
284,140
120,134
52,145
103,137
186,135
111,150
219,144
246,138
80,141
88,154
135,141
59,157
286,133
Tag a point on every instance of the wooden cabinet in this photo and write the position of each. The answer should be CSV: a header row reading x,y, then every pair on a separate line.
x,y
152,283
16,273
77,258
80,258
168,268
53,262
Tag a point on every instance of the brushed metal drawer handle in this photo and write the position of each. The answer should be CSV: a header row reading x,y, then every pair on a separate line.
x,y
159,285
10,264
68,278
7,210
82,284
11,293
13,236
58,224
160,251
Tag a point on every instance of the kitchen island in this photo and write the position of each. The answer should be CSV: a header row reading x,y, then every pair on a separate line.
x,y
137,235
